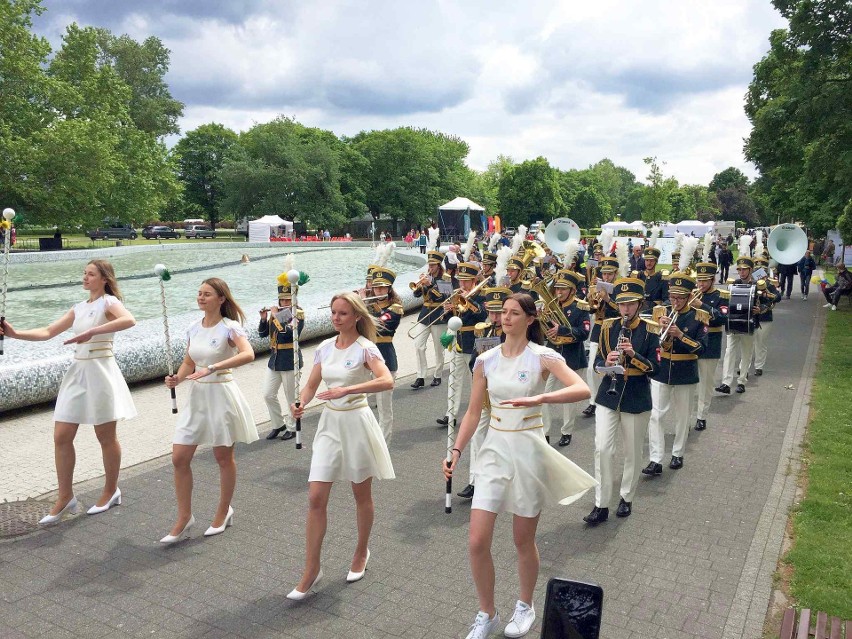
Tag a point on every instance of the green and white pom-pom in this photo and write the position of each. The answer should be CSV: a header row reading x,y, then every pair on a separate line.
x,y
162,272
297,277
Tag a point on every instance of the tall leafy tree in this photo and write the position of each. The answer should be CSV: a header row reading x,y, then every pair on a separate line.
x,y
529,191
731,177
656,206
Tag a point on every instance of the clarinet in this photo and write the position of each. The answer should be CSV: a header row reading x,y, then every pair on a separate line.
x,y
624,333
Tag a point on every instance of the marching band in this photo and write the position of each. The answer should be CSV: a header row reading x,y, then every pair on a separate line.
x,y
642,345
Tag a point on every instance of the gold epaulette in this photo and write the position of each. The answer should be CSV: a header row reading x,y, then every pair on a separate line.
x,y
724,293
396,308
659,311
665,275
702,316
651,326
609,321
583,305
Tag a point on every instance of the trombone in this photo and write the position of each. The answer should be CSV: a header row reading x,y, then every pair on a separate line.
x,y
457,298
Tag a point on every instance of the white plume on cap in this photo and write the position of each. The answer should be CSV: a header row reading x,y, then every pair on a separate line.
x,y
677,243
654,236
687,253
383,253
744,244
708,245
572,248
496,237
519,238
540,237
759,246
504,254
622,254
289,262
605,238
434,234
468,248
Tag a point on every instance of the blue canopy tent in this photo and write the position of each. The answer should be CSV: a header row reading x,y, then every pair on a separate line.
x,y
458,217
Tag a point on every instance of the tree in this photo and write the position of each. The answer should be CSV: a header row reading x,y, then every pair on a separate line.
x,y
736,205
731,177
200,156
614,183
844,227
655,198
529,191
581,197
632,211
485,186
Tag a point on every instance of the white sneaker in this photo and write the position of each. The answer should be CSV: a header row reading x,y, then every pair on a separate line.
x,y
827,305
483,626
805,298
833,307
521,621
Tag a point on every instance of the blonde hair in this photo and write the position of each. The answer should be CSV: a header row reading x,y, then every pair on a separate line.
x,y
108,273
229,307
365,323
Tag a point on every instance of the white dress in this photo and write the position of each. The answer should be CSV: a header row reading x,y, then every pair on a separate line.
x,y
349,444
216,412
516,469
93,390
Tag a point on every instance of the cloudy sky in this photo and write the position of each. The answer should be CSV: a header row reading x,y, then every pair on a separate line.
x,y
572,81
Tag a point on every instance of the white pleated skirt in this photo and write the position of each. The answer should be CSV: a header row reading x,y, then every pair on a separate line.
x,y
215,414
93,391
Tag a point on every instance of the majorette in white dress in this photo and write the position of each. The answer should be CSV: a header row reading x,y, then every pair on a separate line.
x,y
516,469
349,444
216,412
93,390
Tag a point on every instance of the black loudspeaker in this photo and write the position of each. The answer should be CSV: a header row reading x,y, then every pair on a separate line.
x,y
572,610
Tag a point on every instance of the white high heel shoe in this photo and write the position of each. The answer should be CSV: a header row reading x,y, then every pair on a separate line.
x,y
229,520
69,509
298,595
168,540
352,577
115,500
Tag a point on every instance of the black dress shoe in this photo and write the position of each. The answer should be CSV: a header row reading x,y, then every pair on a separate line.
x,y
467,493
740,388
436,381
700,424
547,438
273,434
443,421
288,434
564,440
758,371
723,388
676,462
590,411
418,383
597,516
653,469
624,508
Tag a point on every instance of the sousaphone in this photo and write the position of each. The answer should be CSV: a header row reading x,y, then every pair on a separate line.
x,y
559,232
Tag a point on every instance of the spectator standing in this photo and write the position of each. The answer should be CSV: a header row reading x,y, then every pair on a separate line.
x,y
828,256
806,267
726,258
422,240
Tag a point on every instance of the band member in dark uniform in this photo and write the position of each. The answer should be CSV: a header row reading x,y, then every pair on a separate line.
x,y
471,311
489,261
389,312
656,290
568,339
624,401
739,345
681,342
280,369
514,270
433,307
768,298
713,302
603,307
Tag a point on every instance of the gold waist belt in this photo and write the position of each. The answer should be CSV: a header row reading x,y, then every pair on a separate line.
x,y
363,404
677,357
384,339
715,329
223,373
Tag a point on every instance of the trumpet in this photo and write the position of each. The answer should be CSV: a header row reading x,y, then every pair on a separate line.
x,y
425,280
673,314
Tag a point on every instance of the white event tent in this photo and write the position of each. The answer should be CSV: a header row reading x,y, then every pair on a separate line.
x,y
261,229
615,227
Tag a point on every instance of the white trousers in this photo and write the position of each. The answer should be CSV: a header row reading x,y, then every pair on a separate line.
x,y
565,413
632,428
592,378
384,405
273,381
459,371
477,439
671,404
706,375
420,345
737,357
761,344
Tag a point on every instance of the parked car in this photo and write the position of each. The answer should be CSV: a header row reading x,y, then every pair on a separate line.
x,y
199,230
117,232
157,232
508,232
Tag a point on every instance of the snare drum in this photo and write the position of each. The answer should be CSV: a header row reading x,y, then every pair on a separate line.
x,y
741,316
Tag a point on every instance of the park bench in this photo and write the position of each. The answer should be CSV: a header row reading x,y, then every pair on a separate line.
x,y
826,627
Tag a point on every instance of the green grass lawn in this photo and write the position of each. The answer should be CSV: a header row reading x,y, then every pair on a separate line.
x,y
821,556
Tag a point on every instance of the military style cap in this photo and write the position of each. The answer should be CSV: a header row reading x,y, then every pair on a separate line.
x,y
608,265
598,248
467,271
435,257
651,253
516,263
494,297
681,283
628,289
705,271
568,279
285,292
383,276
745,261
762,261
489,259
